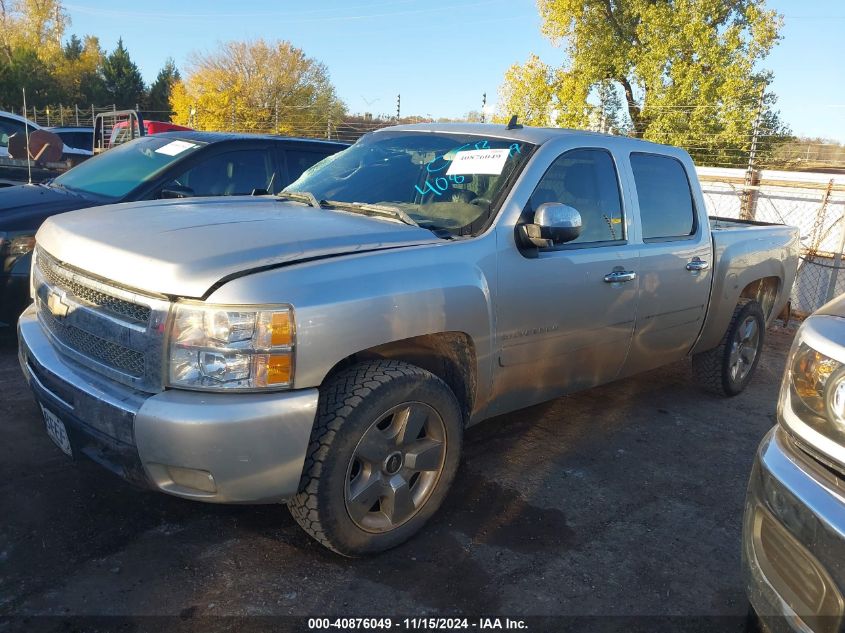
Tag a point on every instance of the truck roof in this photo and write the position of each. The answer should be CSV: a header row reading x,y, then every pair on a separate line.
x,y
528,134
19,118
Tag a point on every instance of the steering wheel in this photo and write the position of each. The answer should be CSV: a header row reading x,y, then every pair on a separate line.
x,y
481,202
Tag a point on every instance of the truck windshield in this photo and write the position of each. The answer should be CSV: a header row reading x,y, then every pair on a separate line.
x,y
118,171
451,182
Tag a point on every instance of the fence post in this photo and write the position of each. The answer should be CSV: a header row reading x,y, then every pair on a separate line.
x,y
752,176
837,257
76,107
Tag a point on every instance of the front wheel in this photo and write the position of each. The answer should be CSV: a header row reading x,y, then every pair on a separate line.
x,y
727,369
383,453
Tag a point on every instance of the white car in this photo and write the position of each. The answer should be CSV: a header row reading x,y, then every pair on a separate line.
x,y
12,124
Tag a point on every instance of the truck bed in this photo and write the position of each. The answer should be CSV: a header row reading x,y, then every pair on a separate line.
x,y
745,251
719,223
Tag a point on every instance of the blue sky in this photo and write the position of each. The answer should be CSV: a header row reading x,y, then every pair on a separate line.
x,y
442,55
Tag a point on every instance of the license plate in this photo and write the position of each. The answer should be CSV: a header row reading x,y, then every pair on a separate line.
x,y
56,430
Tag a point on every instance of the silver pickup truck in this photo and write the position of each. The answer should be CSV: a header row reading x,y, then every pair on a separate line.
x,y
327,347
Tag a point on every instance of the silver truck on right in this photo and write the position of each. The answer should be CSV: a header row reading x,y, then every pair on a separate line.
x,y
793,551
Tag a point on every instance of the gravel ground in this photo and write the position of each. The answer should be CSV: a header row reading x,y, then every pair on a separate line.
x,y
622,500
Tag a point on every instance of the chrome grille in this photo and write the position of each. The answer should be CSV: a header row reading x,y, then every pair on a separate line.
x,y
112,354
114,331
60,277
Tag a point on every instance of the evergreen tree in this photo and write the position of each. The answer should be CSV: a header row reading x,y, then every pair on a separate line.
x,y
73,48
122,80
158,99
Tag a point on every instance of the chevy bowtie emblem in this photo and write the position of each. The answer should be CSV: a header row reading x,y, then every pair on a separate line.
x,y
57,307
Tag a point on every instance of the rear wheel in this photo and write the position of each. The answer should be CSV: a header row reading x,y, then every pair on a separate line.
x,y
727,369
383,453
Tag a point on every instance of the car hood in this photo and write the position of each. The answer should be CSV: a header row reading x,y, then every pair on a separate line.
x,y
184,247
26,206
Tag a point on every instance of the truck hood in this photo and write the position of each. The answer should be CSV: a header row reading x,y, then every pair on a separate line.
x,y
184,247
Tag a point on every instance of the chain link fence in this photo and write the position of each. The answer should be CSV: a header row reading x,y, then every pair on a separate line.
x,y
812,201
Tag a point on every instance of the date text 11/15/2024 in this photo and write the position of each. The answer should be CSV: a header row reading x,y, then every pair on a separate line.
x,y
416,624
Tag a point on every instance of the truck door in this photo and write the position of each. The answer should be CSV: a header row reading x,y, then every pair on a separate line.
x,y
675,263
565,315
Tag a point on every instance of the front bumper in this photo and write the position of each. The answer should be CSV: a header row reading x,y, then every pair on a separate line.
x,y
222,448
793,542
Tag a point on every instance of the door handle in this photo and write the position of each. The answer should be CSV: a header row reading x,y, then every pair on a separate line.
x,y
697,264
620,275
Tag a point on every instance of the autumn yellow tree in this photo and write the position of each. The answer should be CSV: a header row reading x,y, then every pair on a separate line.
x,y
256,86
675,71
33,56
35,24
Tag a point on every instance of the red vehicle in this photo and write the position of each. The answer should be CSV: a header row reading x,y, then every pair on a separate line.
x,y
117,127
121,131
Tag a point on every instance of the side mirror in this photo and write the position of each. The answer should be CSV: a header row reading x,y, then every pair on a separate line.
x,y
554,223
176,191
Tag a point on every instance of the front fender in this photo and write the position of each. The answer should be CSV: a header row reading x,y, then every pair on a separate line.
x,y
347,304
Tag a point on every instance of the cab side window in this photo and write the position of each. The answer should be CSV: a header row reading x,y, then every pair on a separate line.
x,y
300,160
229,174
586,180
666,208
8,129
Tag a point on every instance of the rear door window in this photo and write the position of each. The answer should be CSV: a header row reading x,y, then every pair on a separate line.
x,y
663,190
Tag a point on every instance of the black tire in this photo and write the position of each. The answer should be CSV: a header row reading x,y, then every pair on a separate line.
x,y
716,369
350,408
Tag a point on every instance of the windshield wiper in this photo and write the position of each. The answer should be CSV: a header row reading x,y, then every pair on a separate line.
x,y
302,196
377,210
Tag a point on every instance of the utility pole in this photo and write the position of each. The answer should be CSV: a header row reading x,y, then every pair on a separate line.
x,y
484,108
398,105
752,176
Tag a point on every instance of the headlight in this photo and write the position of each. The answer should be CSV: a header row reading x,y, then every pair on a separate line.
x,y
231,347
13,246
812,403
818,385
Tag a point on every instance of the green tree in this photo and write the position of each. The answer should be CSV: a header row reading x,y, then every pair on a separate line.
x,y
24,69
77,73
158,98
122,82
675,71
73,48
